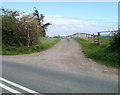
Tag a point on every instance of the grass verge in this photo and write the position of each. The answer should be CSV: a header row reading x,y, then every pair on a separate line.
x,y
44,44
100,53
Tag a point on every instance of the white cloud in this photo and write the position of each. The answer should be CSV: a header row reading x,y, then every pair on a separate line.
x,y
67,26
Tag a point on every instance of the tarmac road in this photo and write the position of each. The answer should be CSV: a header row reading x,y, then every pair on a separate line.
x,y
45,80
60,69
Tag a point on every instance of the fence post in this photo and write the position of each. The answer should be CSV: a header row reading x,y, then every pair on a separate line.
x,y
98,38
93,38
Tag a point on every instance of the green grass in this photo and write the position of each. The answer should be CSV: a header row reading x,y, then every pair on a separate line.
x,y
44,44
100,53
105,41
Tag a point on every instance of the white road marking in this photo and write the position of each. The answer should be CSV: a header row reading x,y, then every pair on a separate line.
x,y
17,85
8,88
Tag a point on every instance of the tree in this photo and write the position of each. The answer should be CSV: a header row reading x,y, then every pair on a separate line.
x,y
22,32
40,19
12,30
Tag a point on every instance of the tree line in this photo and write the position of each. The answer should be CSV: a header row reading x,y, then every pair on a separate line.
x,y
22,30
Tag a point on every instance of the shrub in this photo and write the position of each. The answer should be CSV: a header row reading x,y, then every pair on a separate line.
x,y
23,31
115,42
12,32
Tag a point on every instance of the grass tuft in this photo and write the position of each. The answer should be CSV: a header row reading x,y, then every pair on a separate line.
x,y
101,53
43,44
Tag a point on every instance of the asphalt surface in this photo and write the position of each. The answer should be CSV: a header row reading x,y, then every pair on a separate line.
x,y
46,80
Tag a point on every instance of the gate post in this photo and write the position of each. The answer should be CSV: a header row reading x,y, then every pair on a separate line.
x,y
98,38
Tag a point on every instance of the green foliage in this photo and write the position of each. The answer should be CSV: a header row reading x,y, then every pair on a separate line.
x,y
44,43
100,53
105,41
21,32
13,33
115,43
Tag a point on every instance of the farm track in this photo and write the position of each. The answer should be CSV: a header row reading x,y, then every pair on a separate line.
x,y
66,55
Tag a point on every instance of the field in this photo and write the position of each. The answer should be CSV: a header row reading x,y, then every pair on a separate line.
x,y
101,53
43,44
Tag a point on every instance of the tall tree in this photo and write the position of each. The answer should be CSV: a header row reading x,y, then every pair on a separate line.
x,y
40,19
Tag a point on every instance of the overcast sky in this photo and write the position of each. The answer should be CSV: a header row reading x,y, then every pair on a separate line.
x,y
72,17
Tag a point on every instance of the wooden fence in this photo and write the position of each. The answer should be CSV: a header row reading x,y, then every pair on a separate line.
x,y
94,38
86,36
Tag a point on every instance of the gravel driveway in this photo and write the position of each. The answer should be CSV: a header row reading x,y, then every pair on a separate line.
x,y
66,55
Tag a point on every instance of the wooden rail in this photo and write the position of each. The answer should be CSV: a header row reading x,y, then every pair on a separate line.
x,y
92,37
86,36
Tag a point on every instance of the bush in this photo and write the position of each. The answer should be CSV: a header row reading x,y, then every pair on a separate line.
x,y
115,43
24,31
12,32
